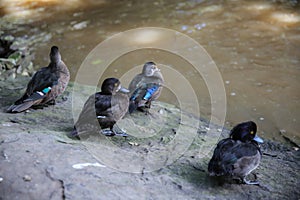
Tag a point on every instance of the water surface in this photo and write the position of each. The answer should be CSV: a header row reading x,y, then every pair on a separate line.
x,y
255,45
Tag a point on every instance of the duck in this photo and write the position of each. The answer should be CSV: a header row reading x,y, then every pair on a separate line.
x,y
238,155
145,88
45,85
102,110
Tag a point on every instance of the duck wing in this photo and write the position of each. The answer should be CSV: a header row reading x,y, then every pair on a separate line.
x,y
232,157
216,164
95,106
135,82
44,78
143,94
37,89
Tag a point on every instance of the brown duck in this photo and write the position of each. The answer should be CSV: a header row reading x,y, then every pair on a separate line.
x,y
145,88
46,84
102,110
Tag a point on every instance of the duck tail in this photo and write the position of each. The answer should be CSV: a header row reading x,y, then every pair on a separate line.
x,y
132,106
26,101
20,107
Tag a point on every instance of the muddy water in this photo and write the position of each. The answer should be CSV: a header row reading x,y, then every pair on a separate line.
x,y
255,45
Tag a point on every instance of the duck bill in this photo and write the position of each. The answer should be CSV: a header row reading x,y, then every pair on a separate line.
x,y
124,90
258,139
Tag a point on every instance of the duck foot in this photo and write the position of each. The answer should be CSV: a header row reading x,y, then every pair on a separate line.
x,y
111,133
64,98
51,103
122,134
147,113
40,106
108,133
250,182
145,109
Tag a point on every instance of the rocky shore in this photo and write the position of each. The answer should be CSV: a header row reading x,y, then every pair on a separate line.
x,y
165,157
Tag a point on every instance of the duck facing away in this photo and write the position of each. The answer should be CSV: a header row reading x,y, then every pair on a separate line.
x,y
45,85
102,110
238,155
145,88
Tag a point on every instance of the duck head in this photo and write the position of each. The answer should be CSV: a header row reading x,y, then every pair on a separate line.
x,y
54,54
245,132
150,68
112,86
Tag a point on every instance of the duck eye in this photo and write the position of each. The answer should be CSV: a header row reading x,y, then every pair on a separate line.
x,y
116,84
252,132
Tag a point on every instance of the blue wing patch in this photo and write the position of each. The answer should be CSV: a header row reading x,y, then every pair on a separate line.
x,y
145,92
46,90
150,92
38,94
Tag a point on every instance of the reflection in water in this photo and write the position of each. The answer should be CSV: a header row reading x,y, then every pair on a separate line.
x,y
37,9
259,6
286,17
255,44
146,37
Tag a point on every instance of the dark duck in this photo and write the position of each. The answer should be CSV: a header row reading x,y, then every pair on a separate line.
x,y
238,155
145,88
102,110
45,85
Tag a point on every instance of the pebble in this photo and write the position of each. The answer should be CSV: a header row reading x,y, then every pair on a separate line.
x,y
232,93
9,38
1,179
77,14
282,131
24,73
81,47
5,156
80,25
199,26
261,119
133,143
161,111
184,28
19,69
26,178
37,162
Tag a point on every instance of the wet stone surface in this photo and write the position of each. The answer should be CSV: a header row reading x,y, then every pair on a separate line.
x,y
156,161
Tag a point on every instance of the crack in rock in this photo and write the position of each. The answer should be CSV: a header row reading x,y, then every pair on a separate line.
x,y
61,182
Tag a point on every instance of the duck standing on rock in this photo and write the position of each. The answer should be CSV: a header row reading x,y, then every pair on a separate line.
x,y
45,85
104,108
238,155
145,88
